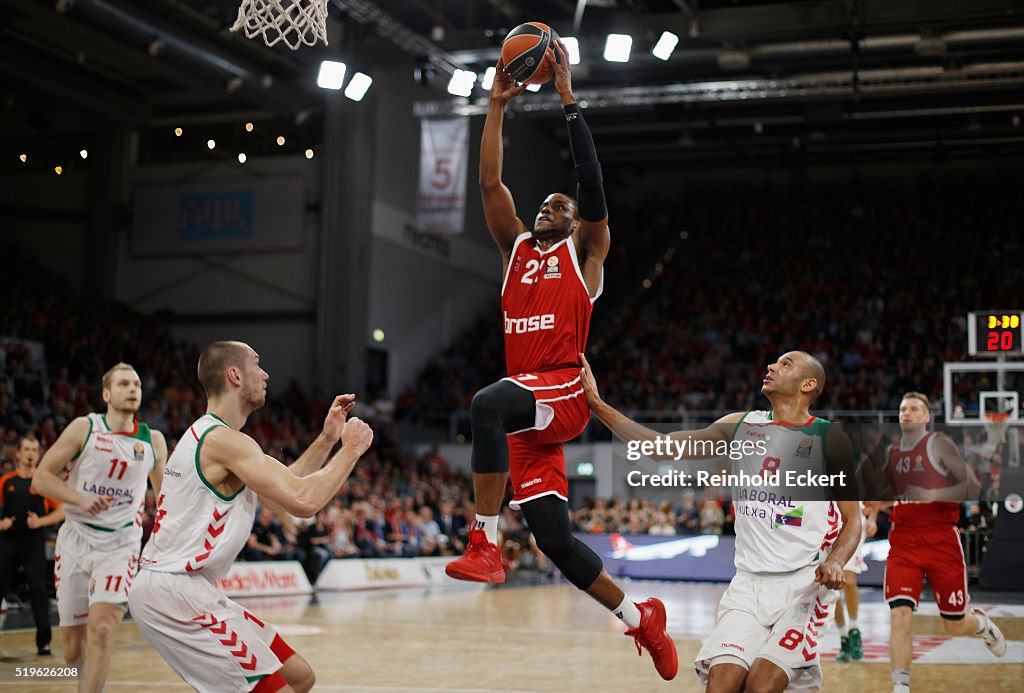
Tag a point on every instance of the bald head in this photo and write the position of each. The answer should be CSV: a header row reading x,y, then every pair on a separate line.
x,y
812,369
214,362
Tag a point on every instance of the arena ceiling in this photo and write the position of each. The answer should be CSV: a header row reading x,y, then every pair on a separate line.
x,y
749,80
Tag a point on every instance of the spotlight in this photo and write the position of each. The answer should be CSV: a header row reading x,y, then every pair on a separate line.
x,y
488,79
332,75
461,83
572,47
241,157
248,127
309,153
378,335
23,157
280,140
177,132
665,45
617,47
210,144
84,153
58,169
358,86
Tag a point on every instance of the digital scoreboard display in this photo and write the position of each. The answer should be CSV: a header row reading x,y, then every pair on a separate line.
x,y
995,332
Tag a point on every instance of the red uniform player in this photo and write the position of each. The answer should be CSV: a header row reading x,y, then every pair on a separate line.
x,y
546,307
928,478
551,277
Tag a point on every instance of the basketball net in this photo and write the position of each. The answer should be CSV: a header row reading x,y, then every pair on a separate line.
x,y
996,424
293,22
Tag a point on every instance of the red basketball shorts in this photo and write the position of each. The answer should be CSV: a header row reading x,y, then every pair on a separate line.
x,y
536,458
916,553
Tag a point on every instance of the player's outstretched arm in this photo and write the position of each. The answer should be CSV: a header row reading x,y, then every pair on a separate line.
x,y
830,571
46,480
225,450
156,475
624,428
499,207
595,238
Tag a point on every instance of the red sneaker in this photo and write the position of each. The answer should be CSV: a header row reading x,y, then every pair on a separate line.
x,y
481,562
651,635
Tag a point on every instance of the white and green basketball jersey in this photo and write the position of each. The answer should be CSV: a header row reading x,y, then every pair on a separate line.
x,y
111,463
776,533
198,529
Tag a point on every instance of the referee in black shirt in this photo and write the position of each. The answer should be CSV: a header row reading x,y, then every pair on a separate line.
x,y
23,515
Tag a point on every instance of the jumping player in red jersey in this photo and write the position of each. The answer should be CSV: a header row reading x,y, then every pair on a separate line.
x,y
928,476
552,276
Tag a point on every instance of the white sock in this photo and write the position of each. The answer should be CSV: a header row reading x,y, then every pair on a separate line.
x,y
852,623
489,524
628,613
844,630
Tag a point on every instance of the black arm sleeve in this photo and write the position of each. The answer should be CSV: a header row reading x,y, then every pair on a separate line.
x,y
590,200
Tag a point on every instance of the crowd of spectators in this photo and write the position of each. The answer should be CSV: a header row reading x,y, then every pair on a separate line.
x,y
397,502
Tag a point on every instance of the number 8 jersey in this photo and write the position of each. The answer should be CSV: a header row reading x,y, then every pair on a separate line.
x,y
111,463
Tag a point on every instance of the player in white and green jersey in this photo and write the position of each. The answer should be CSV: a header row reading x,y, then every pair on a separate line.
x,y
214,480
98,469
790,552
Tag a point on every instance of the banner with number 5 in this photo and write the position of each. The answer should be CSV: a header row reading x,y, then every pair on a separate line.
x,y
444,158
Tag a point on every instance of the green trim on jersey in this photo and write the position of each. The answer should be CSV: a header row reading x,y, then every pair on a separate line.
x,y
812,429
257,677
209,413
199,469
84,442
141,431
740,423
109,529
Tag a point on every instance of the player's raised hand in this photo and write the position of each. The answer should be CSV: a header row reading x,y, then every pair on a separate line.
x,y
830,574
504,88
93,504
334,422
6,523
563,74
589,383
357,435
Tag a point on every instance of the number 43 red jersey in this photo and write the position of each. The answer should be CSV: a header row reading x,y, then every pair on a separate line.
x,y
915,465
545,307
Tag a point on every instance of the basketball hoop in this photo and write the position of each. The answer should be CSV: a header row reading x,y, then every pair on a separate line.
x,y
995,426
293,22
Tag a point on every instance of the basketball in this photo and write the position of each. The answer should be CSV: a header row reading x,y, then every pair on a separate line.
x,y
527,53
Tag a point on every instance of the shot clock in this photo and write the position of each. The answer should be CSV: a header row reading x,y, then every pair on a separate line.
x,y
995,332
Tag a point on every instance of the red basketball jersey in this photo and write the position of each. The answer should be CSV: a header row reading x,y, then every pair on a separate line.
x,y
546,307
918,466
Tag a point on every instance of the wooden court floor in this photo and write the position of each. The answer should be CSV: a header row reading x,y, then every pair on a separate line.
x,y
539,639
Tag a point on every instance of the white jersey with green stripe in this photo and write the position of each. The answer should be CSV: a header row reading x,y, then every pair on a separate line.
x,y
198,529
776,533
112,463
